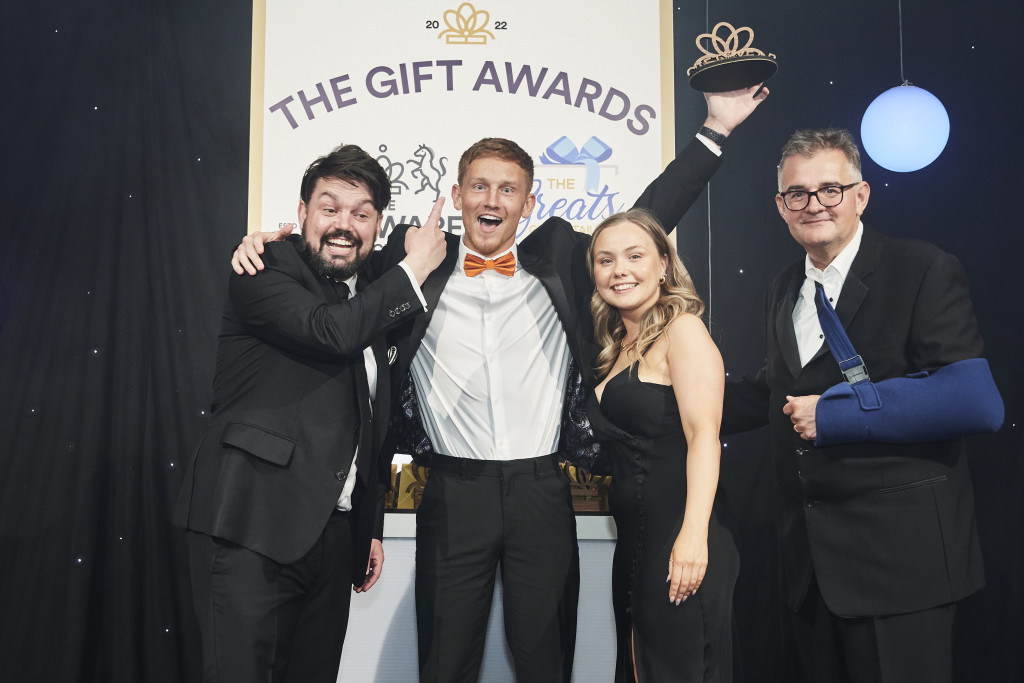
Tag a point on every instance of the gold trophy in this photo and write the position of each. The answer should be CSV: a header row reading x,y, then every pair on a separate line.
x,y
730,66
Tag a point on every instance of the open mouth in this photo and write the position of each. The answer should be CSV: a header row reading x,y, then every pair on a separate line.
x,y
489,221
624,287
339,243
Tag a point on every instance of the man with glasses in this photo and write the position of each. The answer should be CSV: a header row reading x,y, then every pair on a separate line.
x,y
877,540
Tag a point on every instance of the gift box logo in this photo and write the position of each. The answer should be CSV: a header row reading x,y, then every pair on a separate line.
x,y
466,26
593,152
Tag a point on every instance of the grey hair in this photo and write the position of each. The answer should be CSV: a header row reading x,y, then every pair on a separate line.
x,y
807,143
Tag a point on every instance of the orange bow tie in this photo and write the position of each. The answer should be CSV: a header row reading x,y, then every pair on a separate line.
x,y
505,264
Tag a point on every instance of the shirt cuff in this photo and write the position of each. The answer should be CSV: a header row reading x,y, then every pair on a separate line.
x,y
412,281
710,145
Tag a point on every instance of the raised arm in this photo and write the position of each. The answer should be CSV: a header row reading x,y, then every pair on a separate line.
x,y
673,192
726,110
278,306
421,245
246,258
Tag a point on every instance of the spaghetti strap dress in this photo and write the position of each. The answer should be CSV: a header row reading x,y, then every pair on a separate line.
x,y
646,450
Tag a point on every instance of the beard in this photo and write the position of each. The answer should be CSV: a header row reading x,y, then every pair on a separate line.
x,y
328,268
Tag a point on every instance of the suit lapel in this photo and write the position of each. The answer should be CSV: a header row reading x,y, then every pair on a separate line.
x,y
855,290
548,273
365,443
784,324
362,387
382,400
545,271
432,288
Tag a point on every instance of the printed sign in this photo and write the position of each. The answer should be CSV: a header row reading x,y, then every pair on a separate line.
x,y
585,88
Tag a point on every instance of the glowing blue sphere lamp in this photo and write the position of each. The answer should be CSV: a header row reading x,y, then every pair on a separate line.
x,y
905,128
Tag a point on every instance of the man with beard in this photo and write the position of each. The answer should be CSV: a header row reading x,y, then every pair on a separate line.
x,y
492,380
283,500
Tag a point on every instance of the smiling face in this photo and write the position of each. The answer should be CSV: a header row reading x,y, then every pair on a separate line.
x,y
628,268
822,231
493,196
339,226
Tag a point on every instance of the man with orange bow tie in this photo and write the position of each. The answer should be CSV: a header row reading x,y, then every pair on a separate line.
x,y
491,386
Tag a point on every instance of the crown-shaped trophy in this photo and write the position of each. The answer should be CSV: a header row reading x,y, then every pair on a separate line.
x,y
730,66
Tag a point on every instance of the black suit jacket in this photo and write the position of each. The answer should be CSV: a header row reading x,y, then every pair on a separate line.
x,y
885,528
291,404
557,255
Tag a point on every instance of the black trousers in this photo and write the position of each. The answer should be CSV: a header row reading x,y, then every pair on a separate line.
x,y
264,621
474,517
902,648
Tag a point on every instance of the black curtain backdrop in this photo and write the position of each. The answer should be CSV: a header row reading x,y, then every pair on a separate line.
x,y
123,189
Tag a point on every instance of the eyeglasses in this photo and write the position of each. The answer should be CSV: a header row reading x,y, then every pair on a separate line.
x,y
828,196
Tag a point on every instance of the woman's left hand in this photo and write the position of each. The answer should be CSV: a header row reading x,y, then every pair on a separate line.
x,y
687,564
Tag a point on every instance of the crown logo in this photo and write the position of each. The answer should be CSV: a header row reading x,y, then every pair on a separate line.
x,y
727,45
466,26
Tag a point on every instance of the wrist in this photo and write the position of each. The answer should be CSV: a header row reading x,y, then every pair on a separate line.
x,y
714,134
691,529
413,268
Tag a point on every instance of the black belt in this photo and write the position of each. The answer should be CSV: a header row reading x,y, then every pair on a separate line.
x,y
494,468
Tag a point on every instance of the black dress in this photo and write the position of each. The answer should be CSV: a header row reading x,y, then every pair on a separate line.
x,y
646,450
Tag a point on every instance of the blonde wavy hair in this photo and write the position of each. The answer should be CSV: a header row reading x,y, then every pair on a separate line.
x,y
678,296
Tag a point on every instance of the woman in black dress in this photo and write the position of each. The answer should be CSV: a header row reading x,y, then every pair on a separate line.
x,y
661,389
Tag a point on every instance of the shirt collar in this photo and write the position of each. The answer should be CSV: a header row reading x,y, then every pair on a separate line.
x,y
841,263
351,282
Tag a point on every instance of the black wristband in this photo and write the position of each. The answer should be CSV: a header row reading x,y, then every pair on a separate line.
x,y
712,135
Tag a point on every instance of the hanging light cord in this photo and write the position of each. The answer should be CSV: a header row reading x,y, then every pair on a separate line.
x,y
899,5
707,29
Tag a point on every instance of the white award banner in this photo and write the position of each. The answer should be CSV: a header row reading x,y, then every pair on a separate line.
x,y
584,87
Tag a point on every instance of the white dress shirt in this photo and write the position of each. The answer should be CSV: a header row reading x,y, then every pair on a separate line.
x,y
491,370
490,373
809,336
